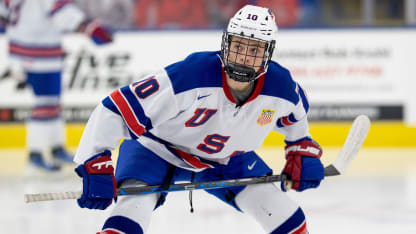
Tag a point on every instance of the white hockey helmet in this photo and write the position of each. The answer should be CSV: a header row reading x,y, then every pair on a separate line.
x,y
253,23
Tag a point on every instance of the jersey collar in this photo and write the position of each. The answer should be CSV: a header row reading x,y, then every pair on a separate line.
x,y
227,91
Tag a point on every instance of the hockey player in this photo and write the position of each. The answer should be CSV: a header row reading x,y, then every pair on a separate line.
x,y
201,119
35,30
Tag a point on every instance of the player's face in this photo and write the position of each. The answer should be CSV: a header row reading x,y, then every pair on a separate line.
x,y
246,52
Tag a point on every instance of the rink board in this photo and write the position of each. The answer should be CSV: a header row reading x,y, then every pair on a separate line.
x,y
382,134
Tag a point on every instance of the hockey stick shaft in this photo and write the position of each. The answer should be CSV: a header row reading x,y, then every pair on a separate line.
x,y
329,171
355,139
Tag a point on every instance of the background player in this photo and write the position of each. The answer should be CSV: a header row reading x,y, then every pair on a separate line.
x,y
201,119
34,29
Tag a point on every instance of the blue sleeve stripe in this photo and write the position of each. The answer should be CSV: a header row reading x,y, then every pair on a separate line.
x,y
279,123
297,141
136,107
292,118
108,103
304,99
132,135
286,120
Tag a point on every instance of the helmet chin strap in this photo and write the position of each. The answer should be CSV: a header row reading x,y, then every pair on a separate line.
x,y
240,73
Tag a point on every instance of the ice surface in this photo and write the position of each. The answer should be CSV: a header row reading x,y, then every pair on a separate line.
x,y
377,195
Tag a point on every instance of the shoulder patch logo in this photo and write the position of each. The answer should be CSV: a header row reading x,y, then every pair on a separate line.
x,y
266,117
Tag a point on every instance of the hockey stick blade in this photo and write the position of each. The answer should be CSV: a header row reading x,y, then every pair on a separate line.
x,y
355,139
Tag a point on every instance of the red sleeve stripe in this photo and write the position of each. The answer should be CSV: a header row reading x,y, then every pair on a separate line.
x,y
55,51
301,229
192,160
286,121
127,113
46,112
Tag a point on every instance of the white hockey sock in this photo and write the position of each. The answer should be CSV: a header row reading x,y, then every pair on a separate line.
x,y
267,204
137,208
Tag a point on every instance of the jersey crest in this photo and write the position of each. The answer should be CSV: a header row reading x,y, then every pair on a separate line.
x,y
265,117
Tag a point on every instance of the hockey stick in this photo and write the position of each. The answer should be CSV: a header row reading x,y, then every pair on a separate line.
x,y
352,145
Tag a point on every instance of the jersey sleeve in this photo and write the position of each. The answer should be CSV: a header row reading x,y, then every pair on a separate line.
x,y
295,125
128,112
65,14
144,104
103,131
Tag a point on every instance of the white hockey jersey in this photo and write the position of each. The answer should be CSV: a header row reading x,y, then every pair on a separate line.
x,y
35,28
187,115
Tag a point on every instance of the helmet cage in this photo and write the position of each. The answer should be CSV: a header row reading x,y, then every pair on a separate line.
x,y
246,72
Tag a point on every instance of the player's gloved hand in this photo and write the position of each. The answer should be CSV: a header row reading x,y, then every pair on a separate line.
x,y
96,32
303,165
99,184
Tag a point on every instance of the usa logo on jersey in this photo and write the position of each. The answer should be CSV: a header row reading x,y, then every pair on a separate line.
x,y
266,117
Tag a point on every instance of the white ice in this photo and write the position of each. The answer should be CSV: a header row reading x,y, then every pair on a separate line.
x,y
376,195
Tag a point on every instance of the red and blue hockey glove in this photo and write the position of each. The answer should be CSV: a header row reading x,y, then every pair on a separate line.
x,y
303,165
96,32
99,184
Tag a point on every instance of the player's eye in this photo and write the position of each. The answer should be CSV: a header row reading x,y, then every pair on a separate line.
x,y
238,48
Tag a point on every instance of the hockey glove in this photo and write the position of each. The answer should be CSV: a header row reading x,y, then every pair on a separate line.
x,y
96,32
303,166
99,184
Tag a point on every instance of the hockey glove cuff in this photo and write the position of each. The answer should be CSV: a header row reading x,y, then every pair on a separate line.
x,y
99,184
303,165
96,32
